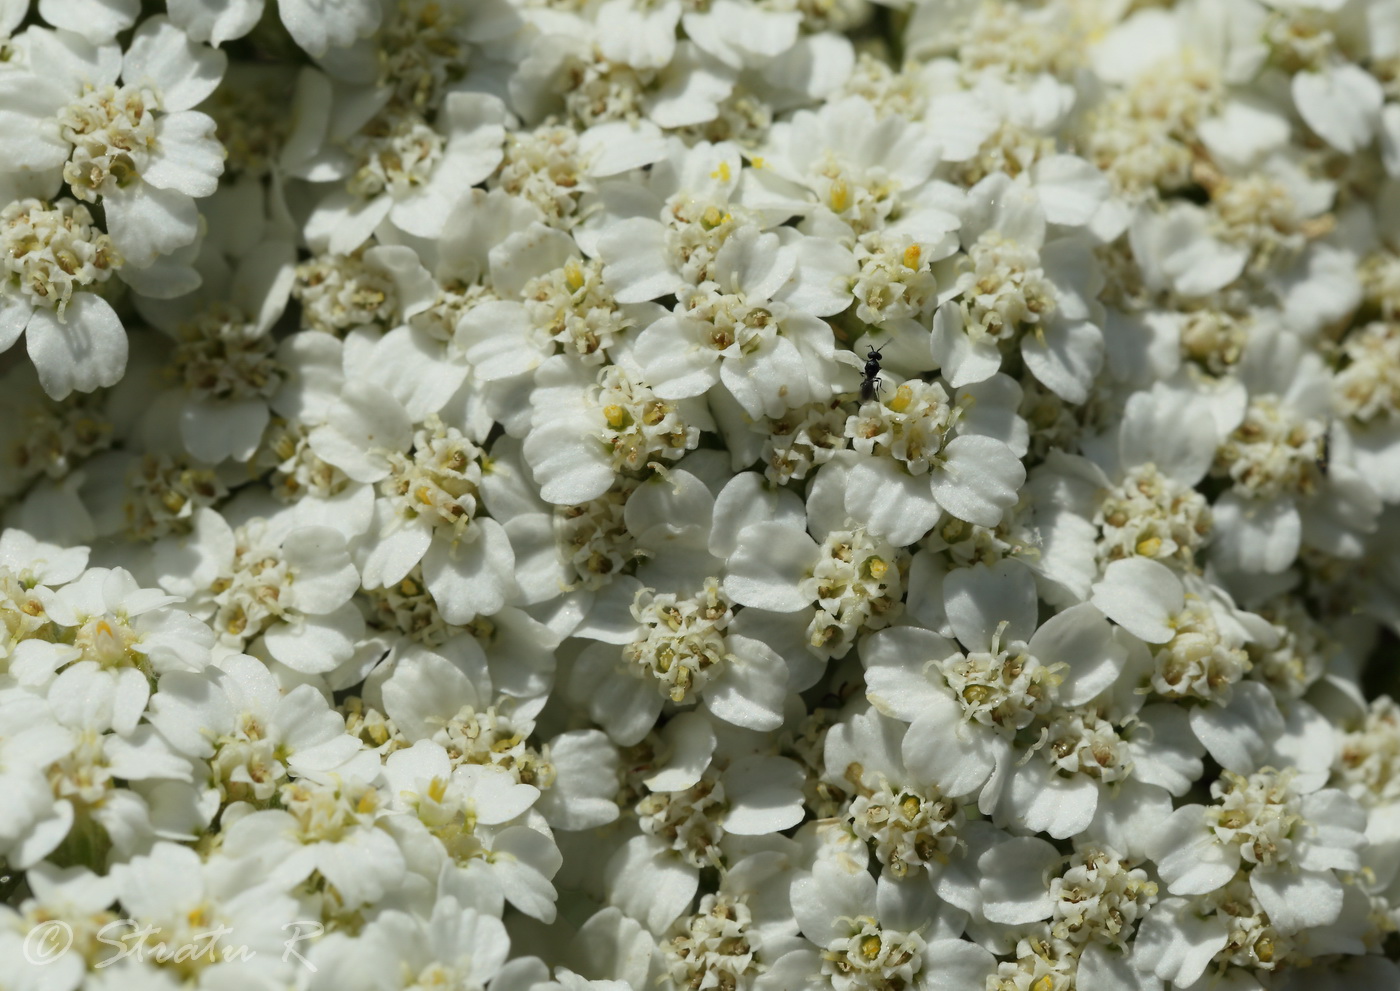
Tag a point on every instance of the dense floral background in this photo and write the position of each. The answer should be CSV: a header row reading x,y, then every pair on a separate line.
x,y
753,495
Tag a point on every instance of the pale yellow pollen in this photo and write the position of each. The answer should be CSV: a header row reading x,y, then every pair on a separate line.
x,y
573,275
840,195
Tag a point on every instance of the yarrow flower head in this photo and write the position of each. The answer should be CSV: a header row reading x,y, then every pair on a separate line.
x,y
700,494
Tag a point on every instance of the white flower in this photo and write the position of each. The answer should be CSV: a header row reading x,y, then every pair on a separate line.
x,y
75,338
1137,490
253,735
1281,498
867,934
864,168
426,510
127,632
290,585
970,713
850,581
456,946
313,27
136,148
400,168
480,816
36,821
183,900
918,456
1177,252
701,800
751,324
1342,103
915,828
327,823
594,424
1289,842
1012,286
225,355
738,933
431,698
681,651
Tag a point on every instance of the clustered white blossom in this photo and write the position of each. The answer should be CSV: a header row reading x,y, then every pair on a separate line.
x,y
700,495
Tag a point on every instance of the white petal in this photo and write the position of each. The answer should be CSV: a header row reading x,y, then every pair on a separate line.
x,y
318,25
188,158
1042,800
979,599
979,480
1256,535
1081,638
676,362
418,696
361,429
215,21
897,671
1104,968
1237,734
146,222
1015,880
394,554
688,742
635,256
648,886
1297,900
214,431
472,578
164,58
1342,103
324,578
1071,189
1176,944
85,351
409,365
95,20
956,964
962,360
567,467
944,750
753,687
891,503
1141,596
1065,357
315,644
619,146
14,317
764,794
767,566
1187,854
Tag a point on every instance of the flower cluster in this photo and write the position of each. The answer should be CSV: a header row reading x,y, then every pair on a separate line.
x,y
753,495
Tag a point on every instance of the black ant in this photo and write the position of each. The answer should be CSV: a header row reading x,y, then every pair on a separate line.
x,y
1324,452
870,385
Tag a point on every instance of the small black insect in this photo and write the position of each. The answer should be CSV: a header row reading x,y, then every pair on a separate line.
x,y
870,385
1324,452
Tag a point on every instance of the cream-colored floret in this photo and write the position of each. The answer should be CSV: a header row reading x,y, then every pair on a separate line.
x,y
1152,515
52,250
682,643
